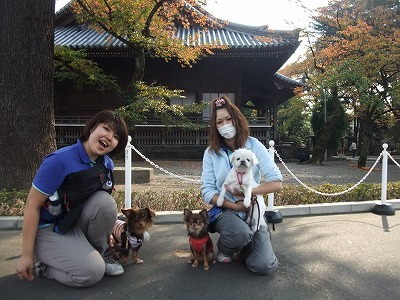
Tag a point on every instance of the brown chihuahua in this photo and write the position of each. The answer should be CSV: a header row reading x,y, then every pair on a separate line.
x,y
200,242
130,234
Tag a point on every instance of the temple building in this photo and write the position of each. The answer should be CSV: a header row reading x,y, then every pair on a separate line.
x,y
246,70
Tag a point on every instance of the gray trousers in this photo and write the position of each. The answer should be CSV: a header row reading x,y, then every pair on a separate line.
x,y
75,258
235,234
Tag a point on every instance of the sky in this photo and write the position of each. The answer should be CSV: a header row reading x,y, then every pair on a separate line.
x,y
277,14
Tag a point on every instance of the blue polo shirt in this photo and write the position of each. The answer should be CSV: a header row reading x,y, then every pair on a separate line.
x,y
57,165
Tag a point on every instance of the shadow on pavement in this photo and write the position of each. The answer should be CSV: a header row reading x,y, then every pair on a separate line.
x,y
353,256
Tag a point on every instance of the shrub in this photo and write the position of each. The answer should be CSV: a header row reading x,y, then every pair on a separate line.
x,y
12,202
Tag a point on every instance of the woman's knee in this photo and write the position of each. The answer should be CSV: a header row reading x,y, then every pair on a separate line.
x,y
104,201
233,241
262,267
91,272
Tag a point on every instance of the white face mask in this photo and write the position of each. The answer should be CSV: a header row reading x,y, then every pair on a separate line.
x,y
227,131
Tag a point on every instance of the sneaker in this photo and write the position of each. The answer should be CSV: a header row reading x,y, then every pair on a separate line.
x,y
40,268
113,268
223,258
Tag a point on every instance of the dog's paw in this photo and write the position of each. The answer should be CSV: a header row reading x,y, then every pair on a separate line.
x,y
123,260
246,202
138,261
220,201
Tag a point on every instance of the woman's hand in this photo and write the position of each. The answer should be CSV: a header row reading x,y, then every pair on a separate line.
x,y
240,206
25,267
25,264
237,193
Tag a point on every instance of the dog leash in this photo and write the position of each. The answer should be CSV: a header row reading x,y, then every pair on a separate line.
x,y
253,202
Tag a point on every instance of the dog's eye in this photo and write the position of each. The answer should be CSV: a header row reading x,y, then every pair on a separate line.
x,y
138,218
194,222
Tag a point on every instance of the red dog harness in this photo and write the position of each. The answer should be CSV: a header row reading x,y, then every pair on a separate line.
x,y
199,244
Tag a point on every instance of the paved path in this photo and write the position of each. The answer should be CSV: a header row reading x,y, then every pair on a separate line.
x,y
329,256
353,256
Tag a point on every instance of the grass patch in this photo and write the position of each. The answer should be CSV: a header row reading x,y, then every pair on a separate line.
x,y
12,202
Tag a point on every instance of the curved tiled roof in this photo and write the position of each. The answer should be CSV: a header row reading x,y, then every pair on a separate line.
x,y
231,35
81,36
288,80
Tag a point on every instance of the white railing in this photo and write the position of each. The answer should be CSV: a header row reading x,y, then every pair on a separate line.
x,y
383,208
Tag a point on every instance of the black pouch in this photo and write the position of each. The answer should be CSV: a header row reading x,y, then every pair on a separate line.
x,y
213,214
79,186
65,223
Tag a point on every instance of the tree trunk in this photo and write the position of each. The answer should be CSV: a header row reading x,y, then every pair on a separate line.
x,y
138,72
325,137
365,139
327,130
26,89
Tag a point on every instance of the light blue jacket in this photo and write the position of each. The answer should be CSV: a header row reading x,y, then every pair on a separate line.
x,y
216,168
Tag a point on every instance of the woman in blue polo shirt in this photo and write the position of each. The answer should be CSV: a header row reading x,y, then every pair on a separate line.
x,y
79,257
229,131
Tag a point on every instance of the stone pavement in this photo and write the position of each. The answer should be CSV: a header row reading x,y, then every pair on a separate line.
x,y
347,256
326,251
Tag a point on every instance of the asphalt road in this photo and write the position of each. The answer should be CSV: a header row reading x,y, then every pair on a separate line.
x,y
352,256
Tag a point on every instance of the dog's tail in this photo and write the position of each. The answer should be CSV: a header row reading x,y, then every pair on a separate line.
x,y
182,253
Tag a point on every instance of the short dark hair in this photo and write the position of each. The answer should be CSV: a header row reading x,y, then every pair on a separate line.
x,y
238,120
115,122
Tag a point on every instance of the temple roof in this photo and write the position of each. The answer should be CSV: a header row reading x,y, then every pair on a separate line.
x,y
82,36
231,35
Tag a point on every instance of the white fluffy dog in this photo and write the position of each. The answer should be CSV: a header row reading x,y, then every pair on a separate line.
x,y
240,178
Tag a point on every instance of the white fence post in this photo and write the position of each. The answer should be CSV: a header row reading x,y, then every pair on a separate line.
x,y
271,151
271,215
128,173
384,174
384,208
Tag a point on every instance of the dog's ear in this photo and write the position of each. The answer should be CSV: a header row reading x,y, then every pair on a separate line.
x,y
151,213
126,211
232,156
186,214
255,160
204,214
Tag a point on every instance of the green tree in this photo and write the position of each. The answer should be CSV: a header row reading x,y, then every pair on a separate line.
x,y
26,89
147,29
294,121
363,56
73,68
355,54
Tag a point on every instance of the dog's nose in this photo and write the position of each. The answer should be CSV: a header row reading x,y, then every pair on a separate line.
x,y
243,163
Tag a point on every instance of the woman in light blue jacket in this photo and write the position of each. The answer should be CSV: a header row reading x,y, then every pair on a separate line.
x,y
229,131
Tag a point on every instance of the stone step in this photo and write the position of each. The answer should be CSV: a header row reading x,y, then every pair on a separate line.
x,y
138,175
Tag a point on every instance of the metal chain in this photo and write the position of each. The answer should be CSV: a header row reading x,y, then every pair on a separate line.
x,y
393,160
327,194
283,163
162,169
